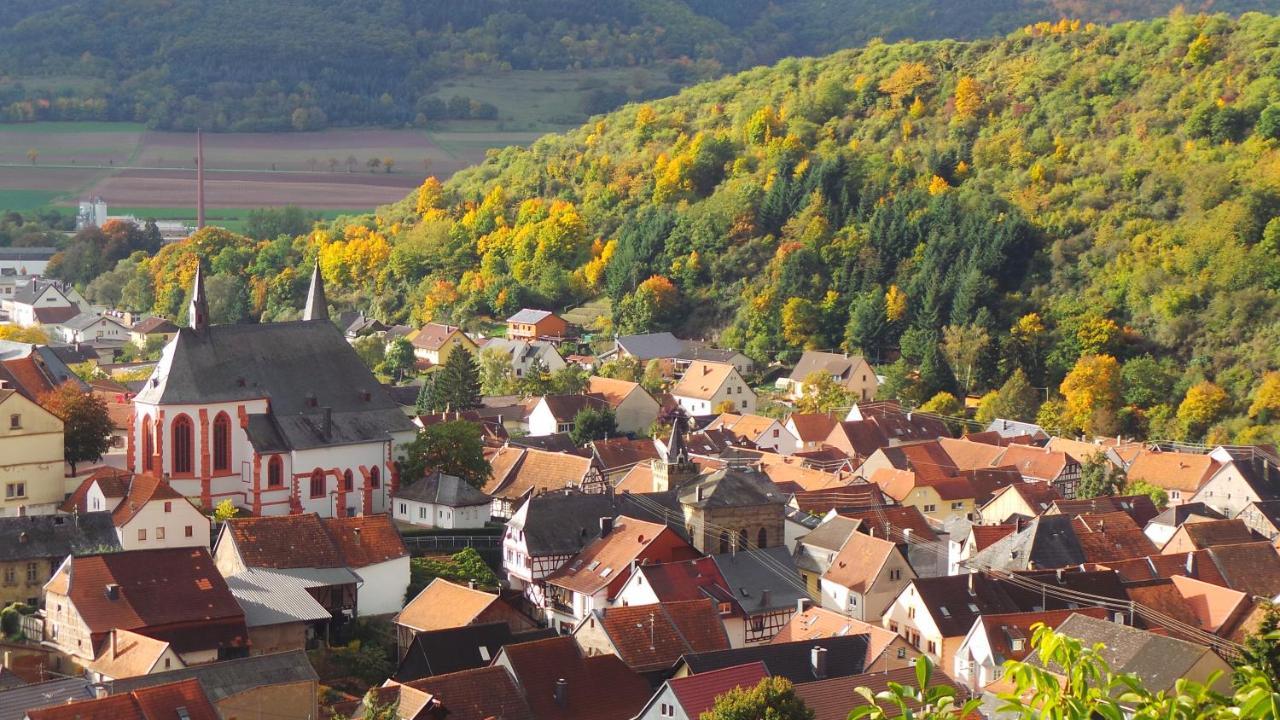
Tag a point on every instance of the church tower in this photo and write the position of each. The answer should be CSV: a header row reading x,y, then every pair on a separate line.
x,y
317,305
198,310
674,468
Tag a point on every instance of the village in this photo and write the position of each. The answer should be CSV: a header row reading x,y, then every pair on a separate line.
x,y
263,534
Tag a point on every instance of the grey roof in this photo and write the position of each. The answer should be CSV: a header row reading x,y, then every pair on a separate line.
x,y
222,680
55,536
520,350
1015,428
833,364
832,534
530,316
846,656
749,573
698,351
27,253
320,577
562,523
1049,541
29,293
441,489
731,487
438,652
85,320
15,703
1178,514
302,367
651,345
272,597
1159,661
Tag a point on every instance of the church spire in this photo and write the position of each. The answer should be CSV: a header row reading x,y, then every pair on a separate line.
x,y
317,306
677,451
198,310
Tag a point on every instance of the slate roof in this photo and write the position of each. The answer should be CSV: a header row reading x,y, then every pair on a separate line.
x,y
1262,476
1048,541
1002,629
438,652
600,687
1014,428
301,367
27,253
309,541
55,536
483,693
845,656
698,693
228,678
530,316
730,488
651,345
183,699
1158,661
441,489
15,703
749,574
654,637
562,523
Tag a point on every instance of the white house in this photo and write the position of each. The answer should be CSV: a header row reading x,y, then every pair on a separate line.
x,y
764,432
556,413
865,577
127,654
559,524
634,409
995,639
42,303
706,387
91,328
523,355
279,417
441,501
149,514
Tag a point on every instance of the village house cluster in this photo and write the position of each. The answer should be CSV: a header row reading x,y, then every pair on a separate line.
x,y
701,546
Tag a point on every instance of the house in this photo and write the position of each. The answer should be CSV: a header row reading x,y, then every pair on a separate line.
x,y
196,614
144,330
688,698
1017,429
284,682
864,577
333,556
646,347
553,414
93,329
278,417
694,351
26,260
15,701
536,324
979,537
1140,509
32,547
709,388
810,429
517,472
733,509
1252,568
1205,534
634,409
280,609
1262,517
836,698
758,431
184,699
42,303
1042,465
766,590
616,456
651,639
1057,541
938,497
443,501
443,605
853,374
545,533
1162,527
524,356
1026,500
1245,475
799,662
153,515
885,649
996,639
1179,474
31,445
433,343
478,693
439,652
34,370
816,550
1159,662
561,682
901,426
594,576
127,654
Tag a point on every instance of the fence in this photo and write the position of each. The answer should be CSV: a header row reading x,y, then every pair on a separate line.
x,y
449,544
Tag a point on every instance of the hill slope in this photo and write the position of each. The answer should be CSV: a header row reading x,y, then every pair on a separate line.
x,y
305,64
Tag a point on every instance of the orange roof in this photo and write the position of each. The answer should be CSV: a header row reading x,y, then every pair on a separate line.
x,y
987,535
433,336
1077,449
702,380
1034,462
897,484
812,427
798,478
858,563
1209,533
442,605
128,654
750,427
818,622
1184,472
1096,522
1114,544
639,479
143,489
113,482
968,455
654,637
516,471
613,391
308,541
1215,606
608,557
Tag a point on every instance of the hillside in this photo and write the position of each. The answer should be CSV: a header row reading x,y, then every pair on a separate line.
x,y
267,65
1067,192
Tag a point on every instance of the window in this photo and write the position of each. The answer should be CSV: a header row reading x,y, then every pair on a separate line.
x,y
957,506
182,445
930,508
159,533
168,506
1017,645
403,509
275,472
762,538
317,483
148,443
15,490
348,484
895,574
142,534
902,652
222,442
775,432
187,531
15,421
742,539
933,648
422,513
375,477
744,404
10,577
724,542
564,427
893,626
911,613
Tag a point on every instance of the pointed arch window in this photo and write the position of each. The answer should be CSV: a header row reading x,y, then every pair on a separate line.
x,y
762,538
375,477
317,483
275,472
148,444
724,542
182,445
222,442
348,482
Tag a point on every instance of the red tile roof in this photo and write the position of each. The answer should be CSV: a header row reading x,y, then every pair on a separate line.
x,y
654,637
835,698
1216,532
698,693
845,496
1184,472
113,482
812,427
1037,463
607,558
600,687
986,535
159,702
487,693
897,517
687,580
308,541
142,490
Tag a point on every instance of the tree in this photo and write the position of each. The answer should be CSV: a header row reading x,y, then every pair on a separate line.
x,y
895,304
1092,387
371,349
943,403
428,401
86,423
1262,646
968,97
453,448
373,163
1141,487
1098,477
225,510
375,709
569,380
593,424
1266,400
799,321
1016,399
496,377
458,381
1205,403
822,394
1144,381
398,361
724,406
464,566
963,345
773,698
15,333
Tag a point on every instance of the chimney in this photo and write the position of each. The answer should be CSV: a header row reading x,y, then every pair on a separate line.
x,y
701,493
803,604
355,533
818,661
327,427
606,526
765,596
471,584
1191,564
114,652
971,576
113,591
561,693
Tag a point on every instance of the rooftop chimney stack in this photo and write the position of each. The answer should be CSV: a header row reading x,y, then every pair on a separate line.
x,y
818,659
327,427
606,526
561,693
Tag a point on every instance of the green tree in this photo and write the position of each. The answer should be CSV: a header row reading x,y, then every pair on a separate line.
x,y
429,401
86,423
453,448
371,349
1016,399
462,567
593,423
822,394
1144,381
963,345
569,380
773,698
1158,496
398,360
495,373
654,379
1262,646
458,381
1098,477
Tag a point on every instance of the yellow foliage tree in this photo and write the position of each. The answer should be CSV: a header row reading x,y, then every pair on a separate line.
x,y
1205,402
968,97
1266,401
1091,392
895,304
938,185
799,321
917,108
33,336
905,80
430,198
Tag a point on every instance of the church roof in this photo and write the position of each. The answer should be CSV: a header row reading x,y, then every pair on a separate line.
x,y
301,367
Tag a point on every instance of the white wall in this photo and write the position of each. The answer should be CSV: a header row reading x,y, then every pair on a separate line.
x,y
383,587
440,516
153,518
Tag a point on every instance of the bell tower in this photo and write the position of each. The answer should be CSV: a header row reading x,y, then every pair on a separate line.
x,y
674,468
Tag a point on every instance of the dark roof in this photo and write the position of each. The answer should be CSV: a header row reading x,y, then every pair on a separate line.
x,y
845,656
486,693
699,351
309,541
834,698
1252,567
437,652
15,703
1158,661
651,345
1049,541
564,523
833,364
1210,533
72,354
1138,507
613,453
729,488
224,679
654,637
831,534
1262,476
403,395
1177,515
441,489
698,693
154,324
555,442
184,699
600,687
565,407
753,573
955,601
302,367
27,253
55,536
901,518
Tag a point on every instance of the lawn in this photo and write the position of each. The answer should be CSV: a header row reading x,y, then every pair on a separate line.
x,y
229,218
25,200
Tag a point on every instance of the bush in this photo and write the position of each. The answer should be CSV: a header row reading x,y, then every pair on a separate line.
x,y
10,621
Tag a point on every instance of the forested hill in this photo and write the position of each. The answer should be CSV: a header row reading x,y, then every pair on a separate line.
x,y
305,64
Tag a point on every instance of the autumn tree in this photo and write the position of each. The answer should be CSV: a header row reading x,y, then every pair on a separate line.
x,y
963,345
905,80
1098,476
16,333
773,698
822,394
649,308
86,423
1204,404
799,321
1091,392
1265,407
895,304
968,97
1016,399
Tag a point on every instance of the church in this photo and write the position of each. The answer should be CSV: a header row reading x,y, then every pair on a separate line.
x,y
281,418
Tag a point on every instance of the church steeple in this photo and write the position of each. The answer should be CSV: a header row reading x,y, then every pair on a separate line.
x,y
674,468
317,306
198,310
